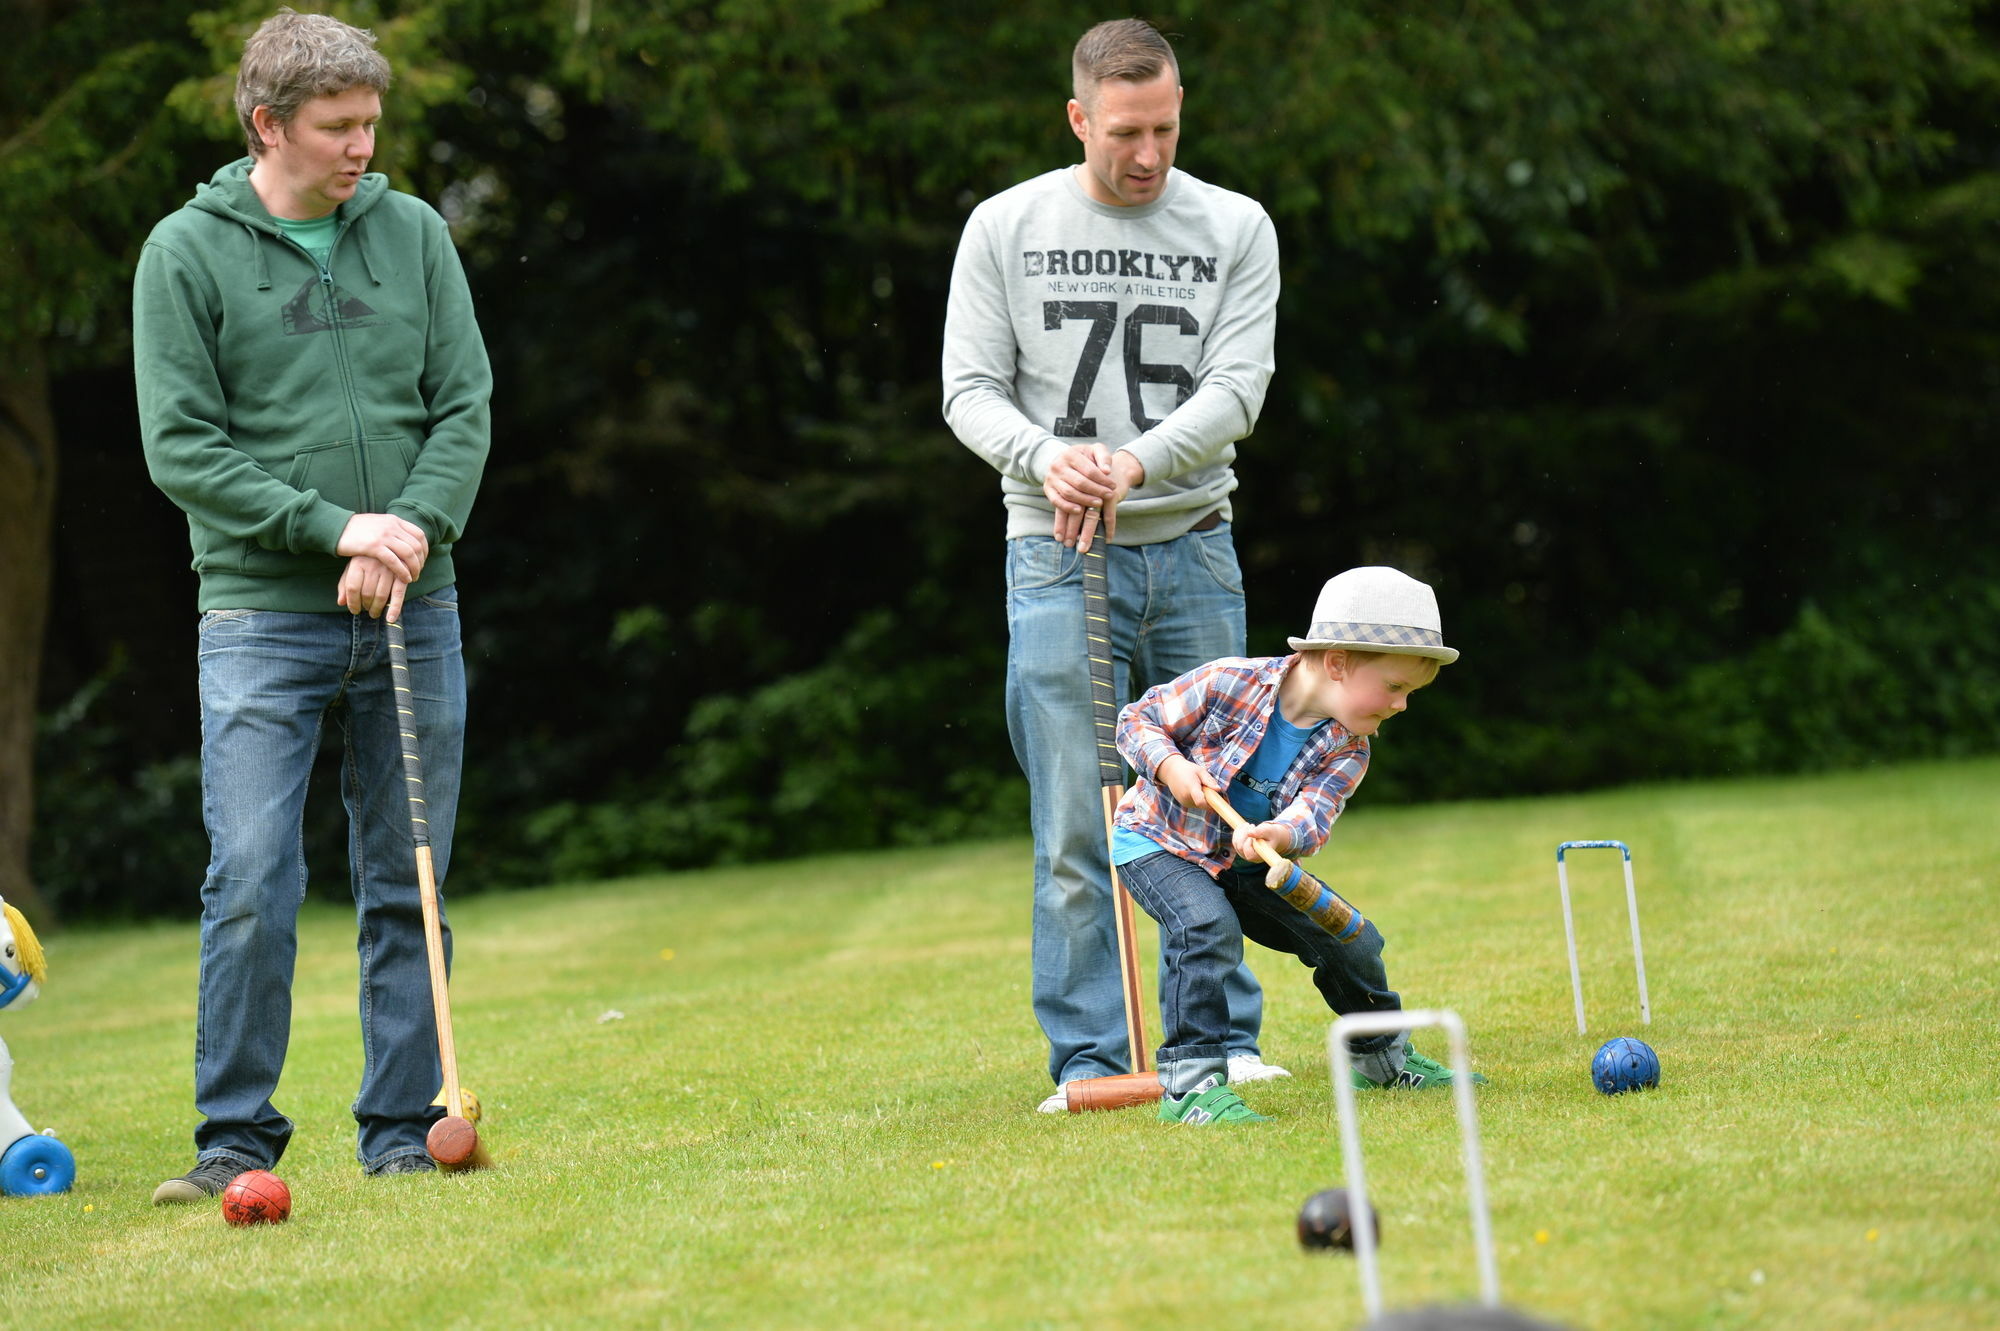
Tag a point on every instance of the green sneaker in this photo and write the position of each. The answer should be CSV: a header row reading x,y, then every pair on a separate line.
x,y
1418,1074
1210,1104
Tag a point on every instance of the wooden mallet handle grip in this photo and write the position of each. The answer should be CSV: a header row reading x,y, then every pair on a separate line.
x,y
1242,824
1320,903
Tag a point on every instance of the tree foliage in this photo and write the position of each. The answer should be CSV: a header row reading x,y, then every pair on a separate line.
x,y
1658,337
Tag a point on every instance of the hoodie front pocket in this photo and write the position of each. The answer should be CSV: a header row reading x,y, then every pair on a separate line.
x,y
334,470
390,459
361,480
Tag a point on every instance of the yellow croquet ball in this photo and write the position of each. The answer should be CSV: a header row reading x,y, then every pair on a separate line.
x,y
467,1098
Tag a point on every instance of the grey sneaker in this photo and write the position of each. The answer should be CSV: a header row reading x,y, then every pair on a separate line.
x,y
207,1179
403,1164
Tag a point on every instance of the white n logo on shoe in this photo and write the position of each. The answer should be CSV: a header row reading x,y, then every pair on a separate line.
x,y
1196,1114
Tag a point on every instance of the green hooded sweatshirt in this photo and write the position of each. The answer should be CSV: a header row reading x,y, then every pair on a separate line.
x,y
277,399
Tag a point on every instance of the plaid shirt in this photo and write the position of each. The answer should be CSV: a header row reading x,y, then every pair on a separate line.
x,y
1215,715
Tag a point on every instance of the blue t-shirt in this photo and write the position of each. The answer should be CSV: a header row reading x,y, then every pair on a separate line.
x,y
1250,793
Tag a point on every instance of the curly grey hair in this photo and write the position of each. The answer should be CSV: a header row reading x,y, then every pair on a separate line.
x,y
293,58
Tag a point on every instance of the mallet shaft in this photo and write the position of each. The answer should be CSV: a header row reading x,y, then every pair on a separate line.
x,y
427,893
1111,777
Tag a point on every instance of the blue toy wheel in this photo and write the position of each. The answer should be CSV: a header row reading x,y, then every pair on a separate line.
x,y
34,1166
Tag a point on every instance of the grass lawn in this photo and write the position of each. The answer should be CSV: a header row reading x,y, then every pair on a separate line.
x,y
801,1095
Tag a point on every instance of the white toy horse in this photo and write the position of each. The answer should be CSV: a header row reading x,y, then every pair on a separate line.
x,y
30,1164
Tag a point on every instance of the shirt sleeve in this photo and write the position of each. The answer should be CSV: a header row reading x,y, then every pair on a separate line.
x,y
457,385
1235,368
1158,725
980,362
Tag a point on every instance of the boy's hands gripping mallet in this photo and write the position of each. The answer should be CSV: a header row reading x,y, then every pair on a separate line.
x,y
452,1141
1318,901
1141,1085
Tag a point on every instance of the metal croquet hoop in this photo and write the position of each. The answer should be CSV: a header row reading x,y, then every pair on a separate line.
x,y
1631,908
1385,1023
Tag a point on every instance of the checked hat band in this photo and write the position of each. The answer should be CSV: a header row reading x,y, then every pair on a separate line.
x,y
1375,635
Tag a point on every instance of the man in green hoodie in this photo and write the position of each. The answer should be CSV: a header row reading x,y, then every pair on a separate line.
x,y
313,395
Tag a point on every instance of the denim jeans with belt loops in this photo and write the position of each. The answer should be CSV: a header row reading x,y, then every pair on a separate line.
x,y
1203,922
1174,605
269,681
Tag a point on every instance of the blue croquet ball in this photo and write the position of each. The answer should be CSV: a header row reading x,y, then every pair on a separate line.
x,y
1625,1064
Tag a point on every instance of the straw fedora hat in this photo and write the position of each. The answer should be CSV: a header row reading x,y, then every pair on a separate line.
x,y
1377,610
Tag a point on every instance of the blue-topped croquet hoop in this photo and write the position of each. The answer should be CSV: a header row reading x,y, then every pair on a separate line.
x,y
1383,1023
1569,929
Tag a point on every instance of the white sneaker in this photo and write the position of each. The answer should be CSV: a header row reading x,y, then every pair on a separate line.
x,y
1057,1103
1248,1068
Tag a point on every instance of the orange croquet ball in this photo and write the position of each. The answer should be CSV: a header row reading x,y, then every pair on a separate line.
x,y
256,1197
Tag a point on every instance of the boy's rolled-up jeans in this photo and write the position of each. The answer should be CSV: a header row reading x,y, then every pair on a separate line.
x,y
1203,922
269,681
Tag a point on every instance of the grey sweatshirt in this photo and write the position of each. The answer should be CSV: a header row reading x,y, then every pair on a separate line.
x,y
1145,328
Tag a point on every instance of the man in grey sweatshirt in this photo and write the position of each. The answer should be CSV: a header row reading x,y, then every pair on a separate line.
x,y
1107,342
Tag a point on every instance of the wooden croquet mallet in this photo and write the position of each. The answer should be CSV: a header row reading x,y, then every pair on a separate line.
x,y
452,1141
1318,902
1141,1085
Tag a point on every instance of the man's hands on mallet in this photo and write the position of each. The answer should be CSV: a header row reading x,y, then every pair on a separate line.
x,y
385,555
401,546
1085,483
367,587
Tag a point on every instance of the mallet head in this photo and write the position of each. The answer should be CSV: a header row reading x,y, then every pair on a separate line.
x,y
452,1142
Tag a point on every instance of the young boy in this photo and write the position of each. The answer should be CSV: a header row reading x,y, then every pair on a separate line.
x,y
1286,740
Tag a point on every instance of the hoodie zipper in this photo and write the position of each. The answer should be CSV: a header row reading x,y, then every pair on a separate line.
x,y
325,271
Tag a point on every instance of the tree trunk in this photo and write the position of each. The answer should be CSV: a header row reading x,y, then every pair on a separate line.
x,y
27,507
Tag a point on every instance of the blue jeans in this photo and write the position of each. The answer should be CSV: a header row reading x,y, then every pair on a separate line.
x,y
1203,922
1174,605
269,681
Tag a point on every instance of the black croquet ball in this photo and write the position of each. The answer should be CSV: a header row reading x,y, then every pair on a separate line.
x,y
1327,1221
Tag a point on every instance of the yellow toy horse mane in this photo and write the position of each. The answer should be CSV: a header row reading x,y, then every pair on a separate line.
x,y
32,959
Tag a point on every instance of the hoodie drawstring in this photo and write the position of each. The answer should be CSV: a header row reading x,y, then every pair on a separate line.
x,y
257,253
361,241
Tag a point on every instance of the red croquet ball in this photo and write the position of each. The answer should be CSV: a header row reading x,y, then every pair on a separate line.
x,y
451,1140
256,1197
